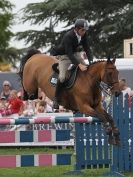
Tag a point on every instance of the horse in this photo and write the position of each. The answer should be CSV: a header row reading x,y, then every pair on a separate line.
x,y
84,96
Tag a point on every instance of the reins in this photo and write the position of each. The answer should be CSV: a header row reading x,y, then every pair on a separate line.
x,y
105,88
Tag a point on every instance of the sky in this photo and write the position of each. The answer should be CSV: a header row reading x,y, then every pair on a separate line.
x,y
17,27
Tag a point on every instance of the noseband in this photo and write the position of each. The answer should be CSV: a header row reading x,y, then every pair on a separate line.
x,y
108,86
105,88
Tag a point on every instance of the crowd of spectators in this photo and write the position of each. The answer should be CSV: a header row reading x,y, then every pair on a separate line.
x,y
11,102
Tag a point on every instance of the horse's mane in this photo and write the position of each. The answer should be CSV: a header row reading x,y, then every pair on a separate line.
x,y
99,61
95,62
29,54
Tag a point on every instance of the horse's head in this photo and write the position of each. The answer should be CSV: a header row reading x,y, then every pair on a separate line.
x,y
110,77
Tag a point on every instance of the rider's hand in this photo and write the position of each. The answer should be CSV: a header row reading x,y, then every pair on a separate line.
x,y
82,67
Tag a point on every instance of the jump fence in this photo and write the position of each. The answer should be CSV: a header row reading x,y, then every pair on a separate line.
x,y
35,137
12,161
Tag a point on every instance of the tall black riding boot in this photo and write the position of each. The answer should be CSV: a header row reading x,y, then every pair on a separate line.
x,y
58,90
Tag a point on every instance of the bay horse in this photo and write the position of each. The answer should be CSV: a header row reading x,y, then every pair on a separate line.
x,y
85,95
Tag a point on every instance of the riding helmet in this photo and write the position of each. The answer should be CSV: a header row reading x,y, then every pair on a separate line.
x,y
81,23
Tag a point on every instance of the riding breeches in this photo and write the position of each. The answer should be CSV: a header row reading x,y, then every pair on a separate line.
x,y
64,63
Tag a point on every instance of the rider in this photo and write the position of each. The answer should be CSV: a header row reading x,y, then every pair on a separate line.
x,y
67,52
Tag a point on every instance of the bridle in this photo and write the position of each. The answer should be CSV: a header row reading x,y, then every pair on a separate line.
x,y
102,85
106,88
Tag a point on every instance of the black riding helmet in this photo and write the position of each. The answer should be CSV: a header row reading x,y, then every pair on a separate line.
x,y
81,23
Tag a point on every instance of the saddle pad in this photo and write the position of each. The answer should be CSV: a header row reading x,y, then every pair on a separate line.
x,y
68,83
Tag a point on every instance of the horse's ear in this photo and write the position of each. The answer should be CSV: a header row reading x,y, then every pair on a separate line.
x,y
108,59
114,59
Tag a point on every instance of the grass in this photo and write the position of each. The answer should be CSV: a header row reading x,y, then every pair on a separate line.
x,y
55,171
33,150
45,172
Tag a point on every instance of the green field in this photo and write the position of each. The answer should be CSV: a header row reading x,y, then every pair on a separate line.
x,y
54,171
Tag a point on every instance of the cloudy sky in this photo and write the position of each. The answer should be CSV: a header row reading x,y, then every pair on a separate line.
x,y
19,4
17,27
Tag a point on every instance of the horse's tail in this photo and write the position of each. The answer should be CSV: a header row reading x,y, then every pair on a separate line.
x,y
29,54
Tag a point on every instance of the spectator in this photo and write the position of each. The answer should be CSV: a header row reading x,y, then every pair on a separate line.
x,y
15,103
43,107
3,102
3,105
20,94
29,108
62,109
6,89
131,93
130,99
40,106
41,94
125,89
49,104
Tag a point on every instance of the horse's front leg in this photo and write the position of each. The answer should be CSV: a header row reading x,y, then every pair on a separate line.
x,y
115,130
111,129
100,113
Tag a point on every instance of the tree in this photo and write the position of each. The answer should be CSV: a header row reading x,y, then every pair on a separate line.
x,y
7,54
111,22
6,20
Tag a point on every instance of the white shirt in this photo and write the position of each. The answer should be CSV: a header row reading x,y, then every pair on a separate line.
x,y
126,91
78,36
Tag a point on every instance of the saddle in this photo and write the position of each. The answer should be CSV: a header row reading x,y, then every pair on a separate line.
x,y
71,76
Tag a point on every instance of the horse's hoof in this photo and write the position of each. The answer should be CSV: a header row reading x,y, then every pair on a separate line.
x,y
117,142
116,132
25,98
114,142
111,141
108,130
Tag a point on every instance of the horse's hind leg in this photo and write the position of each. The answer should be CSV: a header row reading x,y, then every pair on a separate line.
x,y
34,95
29,96
25,95
30,87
